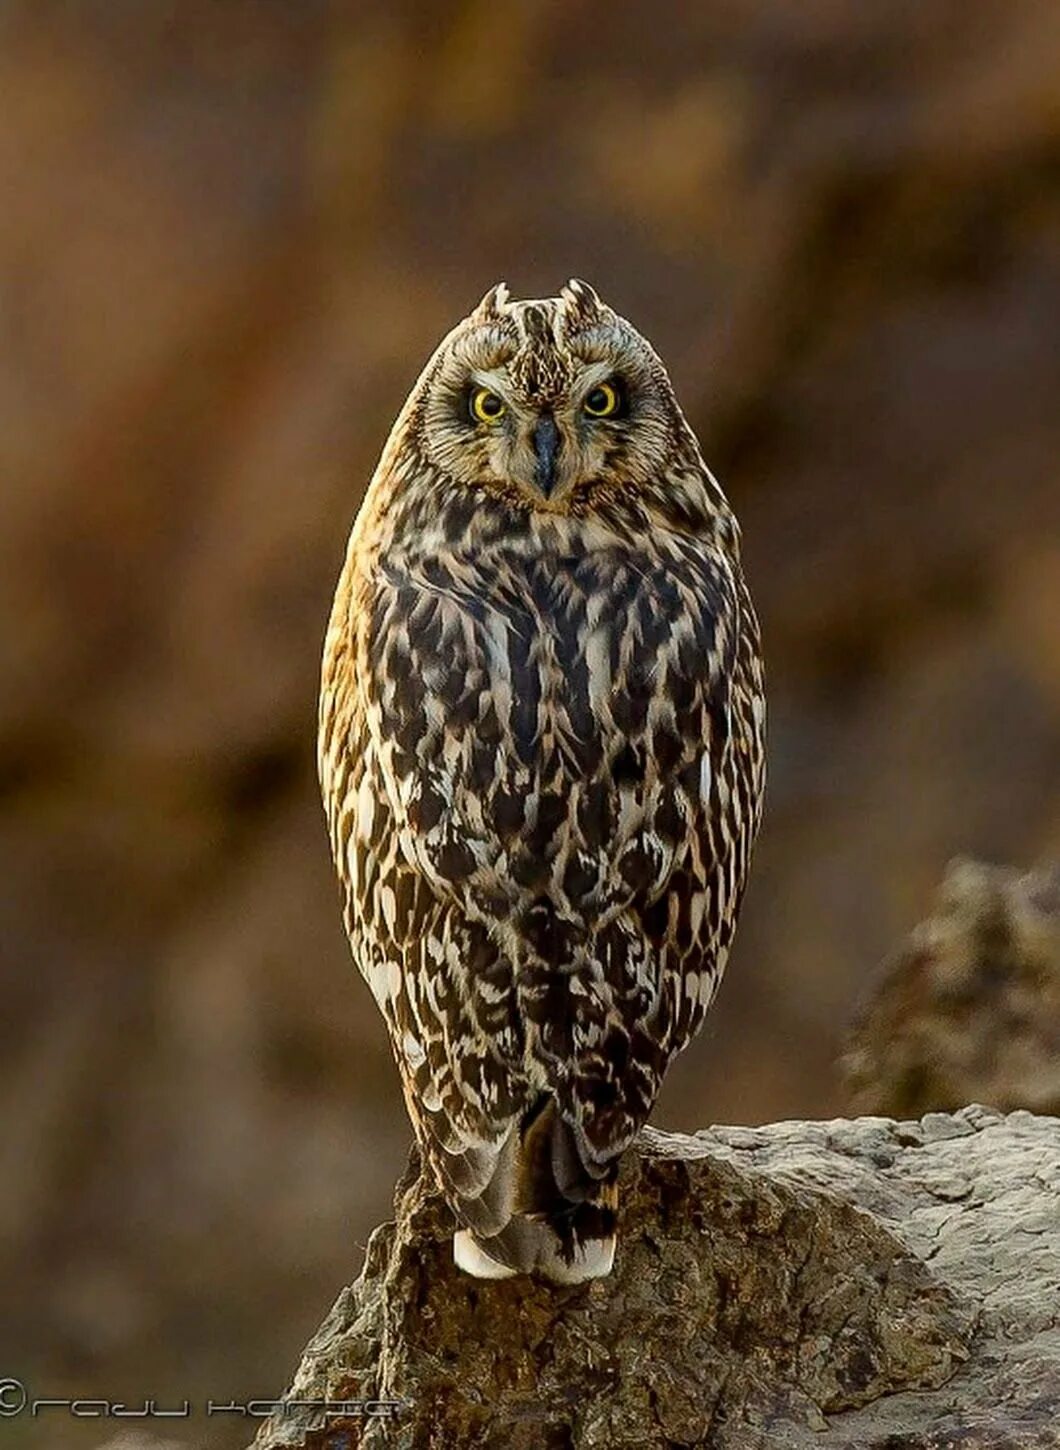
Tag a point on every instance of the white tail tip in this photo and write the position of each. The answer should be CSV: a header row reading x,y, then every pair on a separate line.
x,y
473,1258
593,1259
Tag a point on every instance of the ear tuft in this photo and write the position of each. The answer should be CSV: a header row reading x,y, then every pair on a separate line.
x,y
491,306
581,302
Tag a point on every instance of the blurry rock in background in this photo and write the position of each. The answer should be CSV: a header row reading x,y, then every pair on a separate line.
x,y
229,236
968,1011
136,1440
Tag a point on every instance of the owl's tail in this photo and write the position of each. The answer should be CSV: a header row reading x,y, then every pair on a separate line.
x,y
546,1210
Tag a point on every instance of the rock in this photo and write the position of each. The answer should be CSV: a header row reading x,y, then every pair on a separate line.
x,y
137,1440
868,1282
969,1008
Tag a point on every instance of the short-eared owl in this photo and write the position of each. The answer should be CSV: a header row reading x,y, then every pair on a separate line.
x,y
541,755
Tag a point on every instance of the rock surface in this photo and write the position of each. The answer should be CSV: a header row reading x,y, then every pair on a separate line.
x,y
871,1283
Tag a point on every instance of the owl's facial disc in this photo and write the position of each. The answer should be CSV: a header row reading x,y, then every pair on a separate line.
x,y
597,428
547,402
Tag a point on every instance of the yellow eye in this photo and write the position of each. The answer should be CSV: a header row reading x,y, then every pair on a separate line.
x,y
486,407
603,401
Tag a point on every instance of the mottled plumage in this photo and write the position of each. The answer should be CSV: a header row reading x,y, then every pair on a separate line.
x,y
541,755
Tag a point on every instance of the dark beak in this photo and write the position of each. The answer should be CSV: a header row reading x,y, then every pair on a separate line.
x,y
546,449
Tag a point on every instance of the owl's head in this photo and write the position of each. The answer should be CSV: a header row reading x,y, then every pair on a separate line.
x,y
548,402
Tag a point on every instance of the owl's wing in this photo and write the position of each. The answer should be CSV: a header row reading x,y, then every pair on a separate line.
x,y
445,991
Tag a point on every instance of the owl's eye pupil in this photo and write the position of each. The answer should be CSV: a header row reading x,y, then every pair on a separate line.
x,y
486,406
603,401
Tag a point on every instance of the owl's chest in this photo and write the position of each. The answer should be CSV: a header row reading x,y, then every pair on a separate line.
x,y
532,665
553,724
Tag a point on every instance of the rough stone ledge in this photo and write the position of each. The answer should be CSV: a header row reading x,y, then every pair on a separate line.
x,y
866,1283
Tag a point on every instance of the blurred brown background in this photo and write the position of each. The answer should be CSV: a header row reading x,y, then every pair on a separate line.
x,y
230,233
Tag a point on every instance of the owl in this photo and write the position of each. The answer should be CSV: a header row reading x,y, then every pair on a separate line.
x,y
541,758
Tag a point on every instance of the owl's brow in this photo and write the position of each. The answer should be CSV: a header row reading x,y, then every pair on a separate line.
x,y
493,378
486,350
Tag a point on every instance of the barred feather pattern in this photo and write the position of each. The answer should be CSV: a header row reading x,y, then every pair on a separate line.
x,y
541,757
